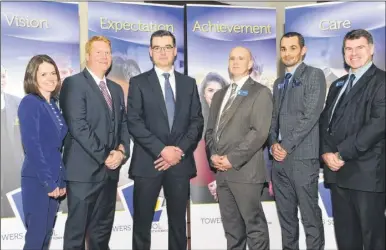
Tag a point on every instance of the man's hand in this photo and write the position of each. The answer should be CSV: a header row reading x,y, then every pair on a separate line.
x,y
216,162
114,159
224,163
171,155
54,194
279,153
332,161
162,164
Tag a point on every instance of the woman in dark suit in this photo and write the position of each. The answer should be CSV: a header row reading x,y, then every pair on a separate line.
x,y
42,132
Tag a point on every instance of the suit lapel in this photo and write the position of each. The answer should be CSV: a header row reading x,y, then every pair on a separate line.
x,y
179,96
232,109
336,95
116,103
95,88
157,91
360,84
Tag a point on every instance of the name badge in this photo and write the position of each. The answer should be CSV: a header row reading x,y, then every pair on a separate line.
x,y
243,92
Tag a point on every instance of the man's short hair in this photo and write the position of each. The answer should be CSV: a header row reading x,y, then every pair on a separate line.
x,y
292,34
356,34
161,33
96,39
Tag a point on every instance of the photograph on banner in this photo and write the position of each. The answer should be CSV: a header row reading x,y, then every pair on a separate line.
x,y
326,26
28,29
26,32
129,26
214,31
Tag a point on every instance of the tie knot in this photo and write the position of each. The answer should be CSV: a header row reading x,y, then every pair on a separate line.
x,y
166,75
234,86
102,84
352,77
287,76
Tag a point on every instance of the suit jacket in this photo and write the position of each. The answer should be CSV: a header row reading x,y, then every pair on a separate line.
x,y
149,126
298,112
42,138
93,129
357,133
244,134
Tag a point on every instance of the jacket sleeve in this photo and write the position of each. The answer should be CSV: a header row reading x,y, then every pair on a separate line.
x,y
372,132
74,105
314,96
136,124
30,112
254,140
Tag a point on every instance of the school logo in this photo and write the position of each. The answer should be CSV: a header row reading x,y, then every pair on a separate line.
x,y
126,194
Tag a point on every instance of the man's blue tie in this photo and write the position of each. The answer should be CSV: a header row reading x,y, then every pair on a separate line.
x,y
169,100
287,77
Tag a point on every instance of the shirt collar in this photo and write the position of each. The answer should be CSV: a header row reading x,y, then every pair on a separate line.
x,y
159,71
241,81
96,78
360,72
294,68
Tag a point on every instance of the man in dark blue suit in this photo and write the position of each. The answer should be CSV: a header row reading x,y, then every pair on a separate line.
x,y
352,136
165,120
11,149
95,148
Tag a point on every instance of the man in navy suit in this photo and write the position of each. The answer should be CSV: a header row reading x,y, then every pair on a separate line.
x,y
95,148
11,149
352,136
165,120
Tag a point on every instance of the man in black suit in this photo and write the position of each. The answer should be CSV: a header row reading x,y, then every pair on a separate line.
x,y
11,148
165,120
352,130
95,148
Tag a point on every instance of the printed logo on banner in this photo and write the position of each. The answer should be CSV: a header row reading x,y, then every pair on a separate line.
x,y
126,194
16,202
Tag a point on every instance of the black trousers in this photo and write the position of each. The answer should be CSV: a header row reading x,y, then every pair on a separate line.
x,y
146,191
359,219
91,209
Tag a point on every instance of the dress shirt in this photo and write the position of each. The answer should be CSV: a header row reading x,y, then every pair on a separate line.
x,y
240,84
358,74
161,79
98,80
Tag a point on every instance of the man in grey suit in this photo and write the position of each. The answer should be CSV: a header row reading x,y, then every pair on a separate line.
x,y
238,126
298,99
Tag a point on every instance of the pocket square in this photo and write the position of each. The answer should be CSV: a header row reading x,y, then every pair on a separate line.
x,y
296,83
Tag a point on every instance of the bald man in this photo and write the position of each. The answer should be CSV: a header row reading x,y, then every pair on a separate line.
x,y
238,126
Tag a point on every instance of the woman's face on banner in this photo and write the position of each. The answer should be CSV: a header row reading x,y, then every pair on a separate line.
x,y
46,78
358,52
211,88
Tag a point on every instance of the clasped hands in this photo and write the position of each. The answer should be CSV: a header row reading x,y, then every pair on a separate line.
x,y
169,156
114,160
278,152
221,162
58,192
332,161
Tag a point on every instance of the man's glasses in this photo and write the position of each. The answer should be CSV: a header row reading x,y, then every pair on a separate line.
x,y
158,49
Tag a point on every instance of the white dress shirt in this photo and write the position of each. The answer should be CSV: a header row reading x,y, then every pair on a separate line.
x,y
161,79
240,84
98,80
